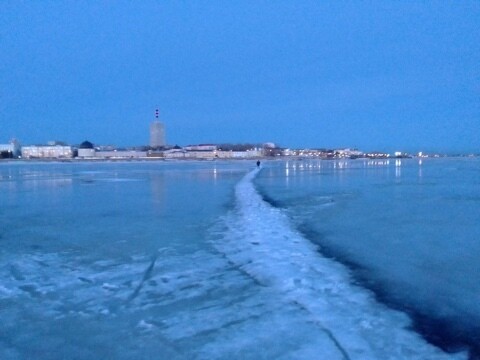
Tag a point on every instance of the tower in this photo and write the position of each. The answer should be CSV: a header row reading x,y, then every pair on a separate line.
x,y
157,132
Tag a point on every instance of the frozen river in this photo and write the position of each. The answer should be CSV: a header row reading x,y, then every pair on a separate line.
x,y
214,260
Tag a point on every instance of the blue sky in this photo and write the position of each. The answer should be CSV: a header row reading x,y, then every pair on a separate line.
x,y
376,75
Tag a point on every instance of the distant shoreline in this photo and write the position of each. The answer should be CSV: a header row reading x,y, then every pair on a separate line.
x,y
131,160
155,159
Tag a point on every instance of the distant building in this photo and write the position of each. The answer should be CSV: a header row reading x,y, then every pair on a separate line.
x,y
211,151
157,133
201,151
201,147
86,150
121,154
377,155
47,152
10,150
201,154
175,153
247,154
345,153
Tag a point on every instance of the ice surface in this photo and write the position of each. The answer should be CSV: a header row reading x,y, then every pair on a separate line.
x,y
262,242
135,270
407,228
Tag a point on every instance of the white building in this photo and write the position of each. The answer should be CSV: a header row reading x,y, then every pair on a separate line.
x,y
157,134
121,154
201,154
201,147
175,154
86,150
247,154
86,153
348,152
47,152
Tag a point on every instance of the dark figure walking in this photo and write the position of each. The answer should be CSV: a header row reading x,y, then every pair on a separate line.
x,y
258,163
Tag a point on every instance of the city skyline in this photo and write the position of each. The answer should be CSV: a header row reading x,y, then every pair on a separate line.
x,y
157,140
376,76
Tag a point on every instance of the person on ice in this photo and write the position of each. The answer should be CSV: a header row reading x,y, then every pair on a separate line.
x,y
258,163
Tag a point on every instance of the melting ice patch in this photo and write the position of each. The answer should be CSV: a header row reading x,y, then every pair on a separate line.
x,y
261,242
